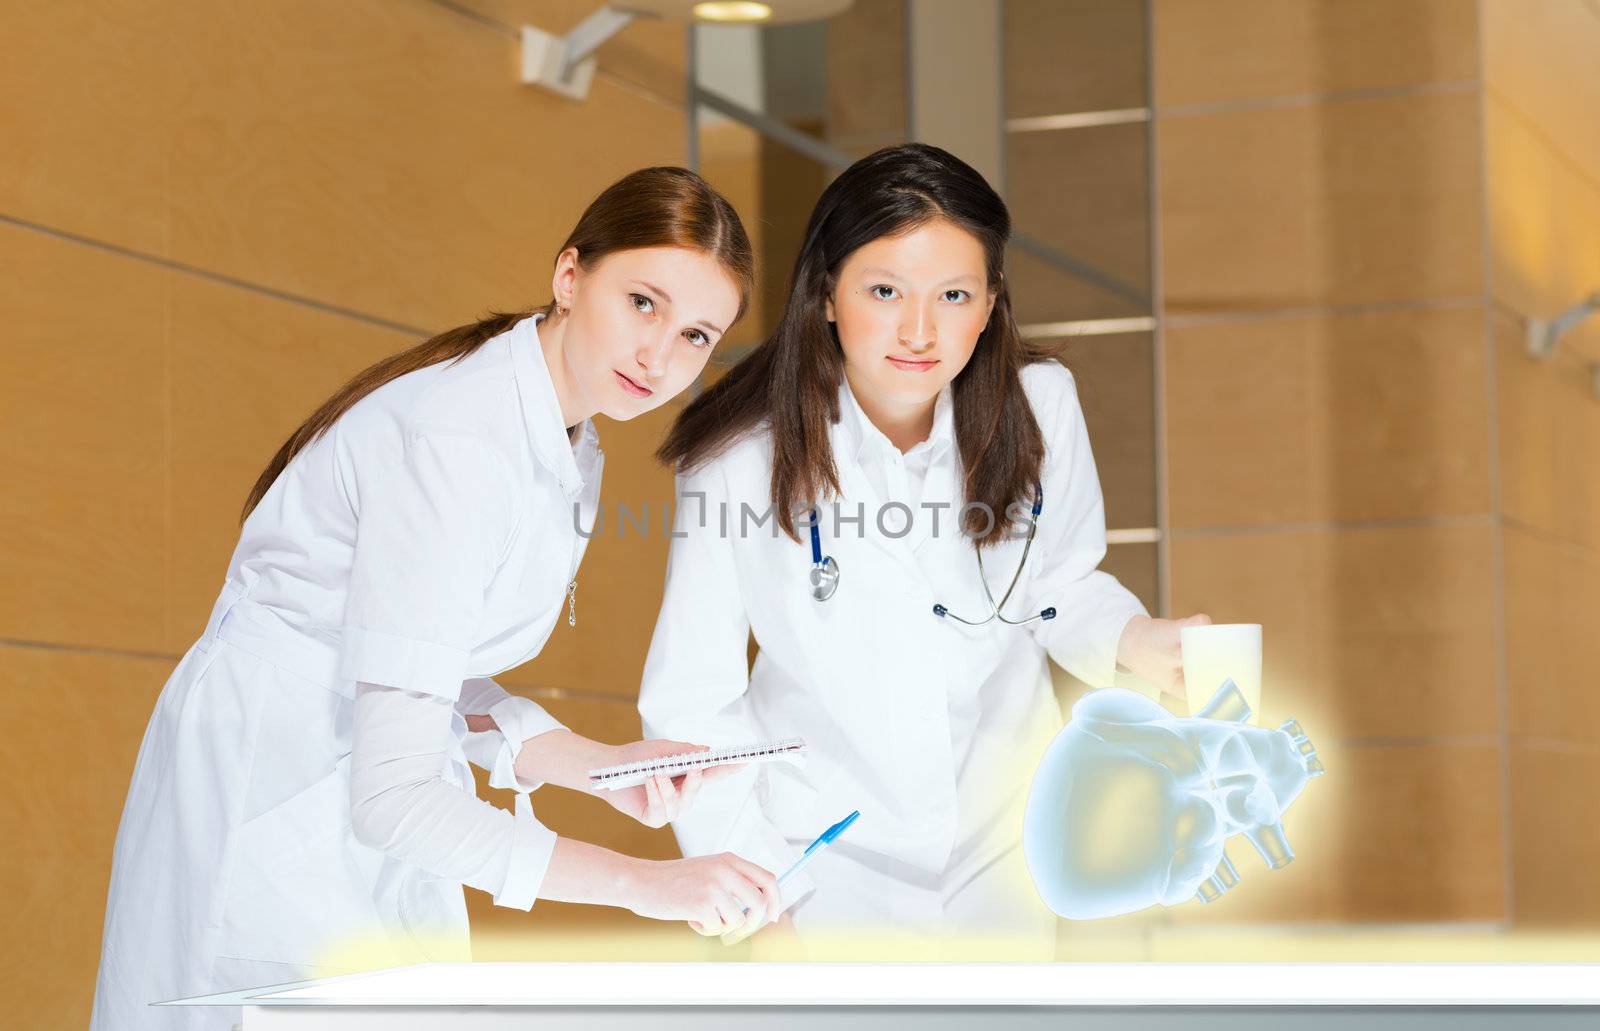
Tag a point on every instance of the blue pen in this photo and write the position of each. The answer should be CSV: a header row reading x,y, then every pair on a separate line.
x,y
827,838
821,843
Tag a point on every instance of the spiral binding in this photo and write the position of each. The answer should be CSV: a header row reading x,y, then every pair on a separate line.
x,y
789,749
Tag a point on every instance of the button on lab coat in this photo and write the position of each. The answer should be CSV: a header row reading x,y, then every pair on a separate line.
x,y
928,727
424,543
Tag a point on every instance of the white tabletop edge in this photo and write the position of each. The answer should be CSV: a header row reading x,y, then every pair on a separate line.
x,y
622,985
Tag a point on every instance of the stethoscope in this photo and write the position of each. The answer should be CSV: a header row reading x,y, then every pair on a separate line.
x,y
824,574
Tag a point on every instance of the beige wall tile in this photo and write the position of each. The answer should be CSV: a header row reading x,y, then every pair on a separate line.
x,y
1381,415
416,179
1555,844
790,186
1116,387
1084,192
1219,50
1365,633
1136,567
246,371
1393,834
867,71
651,53
1552,651
1355,202
1539,56
385,158
68,780
83,389
1544,221
1045,292
85,107
1078,55
1549,439
730,160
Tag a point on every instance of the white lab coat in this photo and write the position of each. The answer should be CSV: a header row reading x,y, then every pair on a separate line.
x,y
422,544
930,728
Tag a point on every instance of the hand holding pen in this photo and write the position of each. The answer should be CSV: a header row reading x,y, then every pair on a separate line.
x,y
755,921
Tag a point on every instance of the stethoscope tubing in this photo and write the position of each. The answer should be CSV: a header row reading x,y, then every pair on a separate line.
x,y
824,574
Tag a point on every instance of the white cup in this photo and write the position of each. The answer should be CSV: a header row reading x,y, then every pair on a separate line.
x,y
1218,652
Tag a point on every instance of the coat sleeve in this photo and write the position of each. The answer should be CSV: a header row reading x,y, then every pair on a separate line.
x,y
430,530
516,719
401,805
1092,607
696,676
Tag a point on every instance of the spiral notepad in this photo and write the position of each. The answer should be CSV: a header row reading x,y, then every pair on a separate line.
x,y
610,778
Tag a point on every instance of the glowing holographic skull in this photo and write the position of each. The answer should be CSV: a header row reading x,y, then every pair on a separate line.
x,y
1132,805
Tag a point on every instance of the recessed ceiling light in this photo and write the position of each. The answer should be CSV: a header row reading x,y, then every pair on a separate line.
x,y
732,10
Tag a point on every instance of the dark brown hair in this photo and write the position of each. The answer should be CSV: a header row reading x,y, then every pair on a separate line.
x,y
653,207
791,381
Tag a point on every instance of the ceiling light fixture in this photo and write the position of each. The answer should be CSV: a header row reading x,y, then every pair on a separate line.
x,y
565,64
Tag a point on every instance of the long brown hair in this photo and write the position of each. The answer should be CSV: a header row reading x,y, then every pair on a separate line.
x,y
791,381
653,207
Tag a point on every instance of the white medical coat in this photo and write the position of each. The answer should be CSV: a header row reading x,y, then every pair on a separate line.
x,y
928,727
424,543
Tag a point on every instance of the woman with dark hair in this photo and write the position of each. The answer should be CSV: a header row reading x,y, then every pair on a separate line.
x,y
301,801
895,494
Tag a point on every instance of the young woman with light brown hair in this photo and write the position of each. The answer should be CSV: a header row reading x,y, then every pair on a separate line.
x,y
302,788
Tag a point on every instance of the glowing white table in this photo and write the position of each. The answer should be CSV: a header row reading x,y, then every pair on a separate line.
x,y
707,996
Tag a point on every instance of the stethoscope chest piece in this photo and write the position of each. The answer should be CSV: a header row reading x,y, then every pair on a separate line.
x,y
824,578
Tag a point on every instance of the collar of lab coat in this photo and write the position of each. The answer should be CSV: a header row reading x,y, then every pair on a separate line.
x,y
573,462
857,438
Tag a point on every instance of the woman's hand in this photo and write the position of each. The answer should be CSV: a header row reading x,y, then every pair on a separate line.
x,y
1152,650
715,894
659,800
563,758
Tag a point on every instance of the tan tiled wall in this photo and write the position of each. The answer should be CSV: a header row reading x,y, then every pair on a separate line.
x,y
1085,194
1346,201
210,216
1328,430
1067,56
1542,140
867,75
1224,51
1328,418
1361,205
